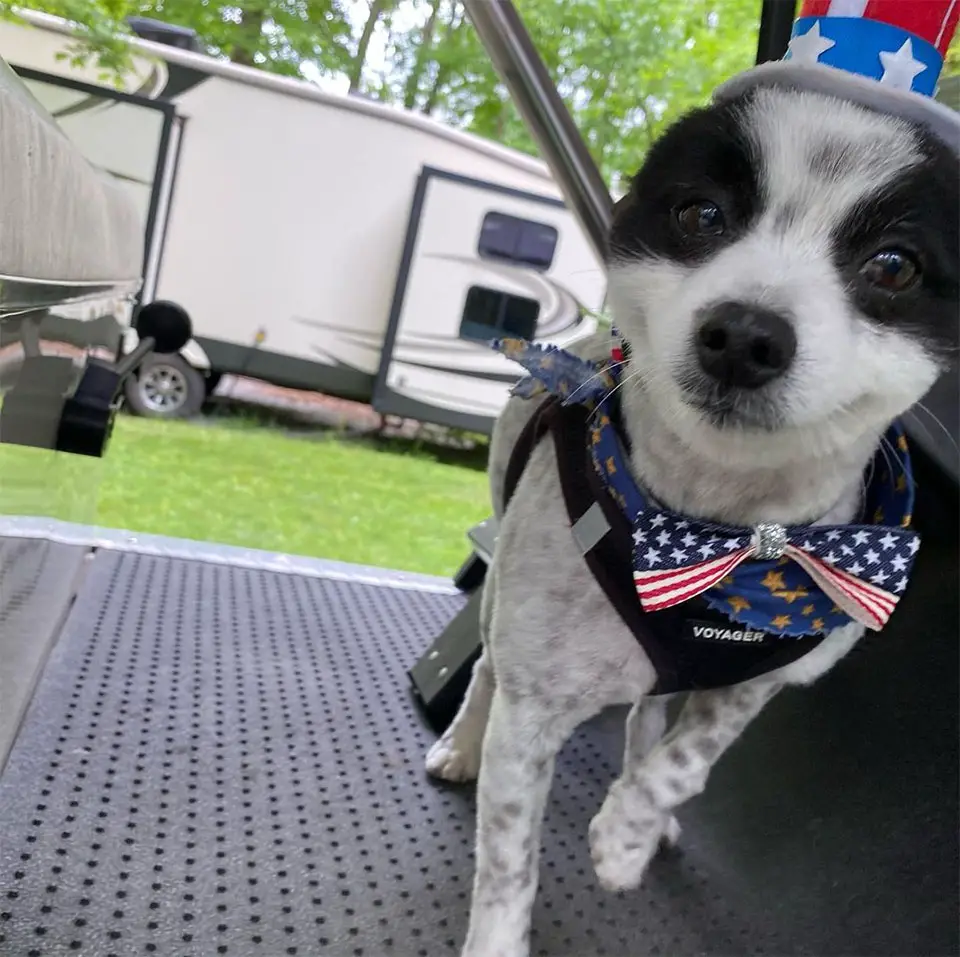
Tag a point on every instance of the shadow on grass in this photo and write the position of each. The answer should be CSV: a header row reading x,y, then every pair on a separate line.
x,y
438,444
469,457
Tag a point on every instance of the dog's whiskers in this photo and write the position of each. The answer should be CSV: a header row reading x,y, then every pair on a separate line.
x,y
866,478
917,423
595,376
890,456
637,375
921,407
623,251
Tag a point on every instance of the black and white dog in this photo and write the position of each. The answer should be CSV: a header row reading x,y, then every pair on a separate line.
x,y
785,272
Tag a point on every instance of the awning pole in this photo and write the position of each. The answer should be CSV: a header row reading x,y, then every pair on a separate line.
x,y
515,58
776,25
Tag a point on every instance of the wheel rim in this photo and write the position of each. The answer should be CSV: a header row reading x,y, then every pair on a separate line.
x,y
163,389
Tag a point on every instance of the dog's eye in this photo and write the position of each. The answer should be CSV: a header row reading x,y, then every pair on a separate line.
x,y
702,218
891,270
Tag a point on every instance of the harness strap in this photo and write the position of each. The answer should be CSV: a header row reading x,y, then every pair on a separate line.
x,y
607,547
581,490
536,428
609,558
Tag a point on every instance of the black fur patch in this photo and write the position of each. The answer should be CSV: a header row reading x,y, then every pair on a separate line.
x,y
918,213
704,156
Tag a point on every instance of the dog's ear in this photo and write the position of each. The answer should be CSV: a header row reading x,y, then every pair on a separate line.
x,y
620,209
621,204
625,202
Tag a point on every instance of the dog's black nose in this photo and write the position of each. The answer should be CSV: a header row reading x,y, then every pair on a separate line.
x,y
744,346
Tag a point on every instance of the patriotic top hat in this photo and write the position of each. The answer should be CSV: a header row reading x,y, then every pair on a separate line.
x,y
883,54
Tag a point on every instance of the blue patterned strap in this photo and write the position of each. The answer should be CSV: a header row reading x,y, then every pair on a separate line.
x,y
556,371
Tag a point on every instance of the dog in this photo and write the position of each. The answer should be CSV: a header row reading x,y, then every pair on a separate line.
x,y
829,233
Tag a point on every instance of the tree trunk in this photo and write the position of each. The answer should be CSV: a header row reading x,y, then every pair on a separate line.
x,y
377,8
501,123
433,96
443,69
424,49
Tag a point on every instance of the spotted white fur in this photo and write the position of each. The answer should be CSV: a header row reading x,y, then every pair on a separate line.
x,y
555,652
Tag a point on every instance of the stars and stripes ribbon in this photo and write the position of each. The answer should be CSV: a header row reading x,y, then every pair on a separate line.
x,y
863,569
791,581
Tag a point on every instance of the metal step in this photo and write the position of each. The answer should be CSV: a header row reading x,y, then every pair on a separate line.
x,y
38,580
226,759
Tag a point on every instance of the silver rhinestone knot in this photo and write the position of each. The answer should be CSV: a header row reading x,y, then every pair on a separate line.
x,y
769,541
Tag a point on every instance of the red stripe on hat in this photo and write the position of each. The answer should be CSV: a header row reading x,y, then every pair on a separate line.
x,y
933,20
815,8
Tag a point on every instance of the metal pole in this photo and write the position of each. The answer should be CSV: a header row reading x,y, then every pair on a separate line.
x,y
515,58
776,25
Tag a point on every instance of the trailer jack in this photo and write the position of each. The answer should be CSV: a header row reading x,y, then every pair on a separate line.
x,y
52,407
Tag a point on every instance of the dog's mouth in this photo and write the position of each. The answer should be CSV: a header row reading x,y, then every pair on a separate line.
x,y
727,408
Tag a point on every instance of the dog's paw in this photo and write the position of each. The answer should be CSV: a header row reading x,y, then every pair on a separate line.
x,y
448,762
671,833
624,839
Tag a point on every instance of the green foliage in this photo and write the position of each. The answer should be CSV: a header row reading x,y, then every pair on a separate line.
x,y
275,35
628,69
101,28
625,68
951,66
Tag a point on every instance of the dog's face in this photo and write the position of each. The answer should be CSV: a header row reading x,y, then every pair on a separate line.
x,y
785,267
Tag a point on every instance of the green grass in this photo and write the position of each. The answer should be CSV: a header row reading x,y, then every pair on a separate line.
x,y
379,502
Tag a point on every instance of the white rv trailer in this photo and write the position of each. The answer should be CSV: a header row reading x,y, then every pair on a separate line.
x,y
320,241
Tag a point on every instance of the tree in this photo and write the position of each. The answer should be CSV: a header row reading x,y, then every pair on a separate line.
x,y
355,72
423,56
441,63
101,25
951,65
276,35
624,69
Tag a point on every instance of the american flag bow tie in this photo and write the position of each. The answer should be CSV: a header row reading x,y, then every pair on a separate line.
x,y
860,570
863,568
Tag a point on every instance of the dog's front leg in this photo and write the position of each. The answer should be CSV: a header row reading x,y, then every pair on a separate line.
x,y
516,769
637,813
456,756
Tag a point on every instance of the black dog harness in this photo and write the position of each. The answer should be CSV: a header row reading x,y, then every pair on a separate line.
x,y
691,646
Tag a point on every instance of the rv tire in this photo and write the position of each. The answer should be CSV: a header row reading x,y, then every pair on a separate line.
x,y
166,387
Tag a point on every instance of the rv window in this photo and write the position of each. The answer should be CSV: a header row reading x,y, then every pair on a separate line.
x,y
489,313
517,240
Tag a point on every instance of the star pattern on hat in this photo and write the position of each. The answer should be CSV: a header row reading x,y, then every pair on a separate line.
x,y
899,45
810,46
900,67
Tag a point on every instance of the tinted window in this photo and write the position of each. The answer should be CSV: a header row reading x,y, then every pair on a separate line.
x,y
520,241
489,314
